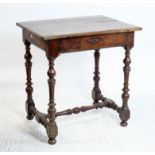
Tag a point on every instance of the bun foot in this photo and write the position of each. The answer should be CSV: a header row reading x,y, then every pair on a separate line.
x,y
123,124
52,132
51,141
124,114
30,117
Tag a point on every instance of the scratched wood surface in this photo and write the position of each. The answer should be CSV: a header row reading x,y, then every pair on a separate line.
x,y
77,26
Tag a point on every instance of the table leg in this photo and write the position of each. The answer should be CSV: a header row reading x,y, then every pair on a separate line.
x,y
51,128
28,64
96,92
124,111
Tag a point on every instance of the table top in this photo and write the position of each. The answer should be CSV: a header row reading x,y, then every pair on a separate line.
x,y
77,26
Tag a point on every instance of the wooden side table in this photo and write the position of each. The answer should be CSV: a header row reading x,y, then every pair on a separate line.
x,y
59,36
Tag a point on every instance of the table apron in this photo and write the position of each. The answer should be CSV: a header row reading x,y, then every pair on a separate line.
x,y
94,42
65,45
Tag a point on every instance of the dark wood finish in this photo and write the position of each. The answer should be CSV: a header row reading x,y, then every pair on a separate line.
x,y
51,127
96,92
32,38
125,112
65,45
41,117
92,42
104,103
60,36
29,105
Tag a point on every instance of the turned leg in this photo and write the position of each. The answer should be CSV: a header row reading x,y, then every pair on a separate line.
x,y
96,92
29,102
124,110
51,127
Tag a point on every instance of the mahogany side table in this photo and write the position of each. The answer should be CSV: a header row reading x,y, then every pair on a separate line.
x,y
58,36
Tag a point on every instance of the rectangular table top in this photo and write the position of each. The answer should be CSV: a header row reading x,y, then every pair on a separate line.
x,y
77,26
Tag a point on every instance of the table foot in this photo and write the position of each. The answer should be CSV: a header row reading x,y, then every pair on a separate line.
x,y
124,114
51,127
51,141
123,124
30,117
52,132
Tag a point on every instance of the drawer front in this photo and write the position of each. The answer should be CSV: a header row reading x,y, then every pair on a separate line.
x,y
91,42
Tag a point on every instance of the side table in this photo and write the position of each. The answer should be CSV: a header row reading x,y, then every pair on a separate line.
x,y
58,36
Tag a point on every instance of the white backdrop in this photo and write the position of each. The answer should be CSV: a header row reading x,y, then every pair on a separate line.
x,y
91,131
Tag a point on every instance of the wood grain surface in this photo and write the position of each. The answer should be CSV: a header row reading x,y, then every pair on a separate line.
x,y
77,26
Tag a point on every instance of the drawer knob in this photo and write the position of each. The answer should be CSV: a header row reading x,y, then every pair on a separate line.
x,y
93,40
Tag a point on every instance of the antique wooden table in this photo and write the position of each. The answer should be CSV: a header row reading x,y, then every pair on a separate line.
x,y
58,36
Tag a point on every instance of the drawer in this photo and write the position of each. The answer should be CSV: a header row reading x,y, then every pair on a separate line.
x,y
91,42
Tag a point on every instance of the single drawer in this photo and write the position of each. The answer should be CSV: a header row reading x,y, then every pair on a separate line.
x,y
92,42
